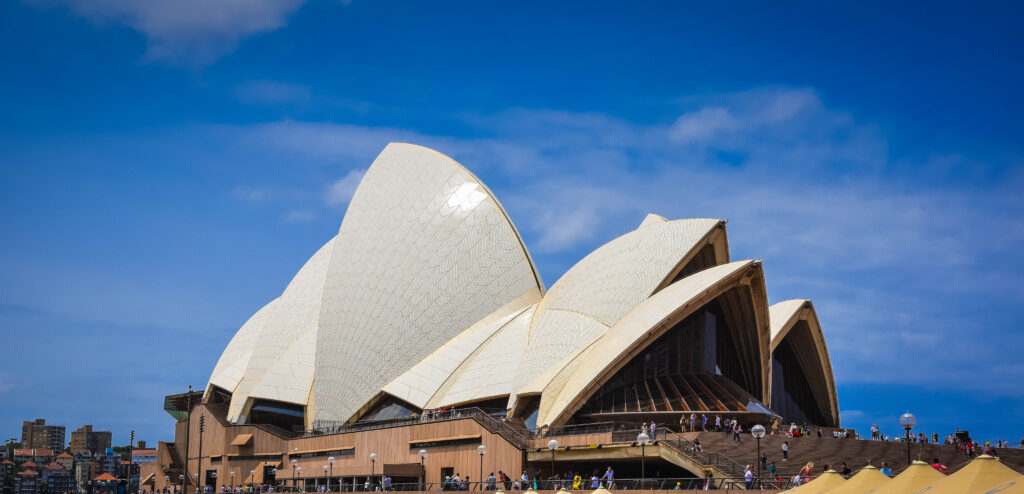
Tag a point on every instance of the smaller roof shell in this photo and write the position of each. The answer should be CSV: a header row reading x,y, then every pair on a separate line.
x,y
784,316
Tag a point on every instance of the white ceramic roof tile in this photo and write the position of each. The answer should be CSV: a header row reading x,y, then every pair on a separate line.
x,y
574,379
231,367
423,253
490,371
420,383
779,315
288,335
603,287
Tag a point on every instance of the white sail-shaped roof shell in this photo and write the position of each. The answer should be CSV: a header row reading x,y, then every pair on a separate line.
x,y
595,293
784,317
424,252
577,380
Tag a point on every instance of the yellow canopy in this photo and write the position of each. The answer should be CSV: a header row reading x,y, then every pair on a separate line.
x,y
1015,486
826,481
981,474
868,479
916,477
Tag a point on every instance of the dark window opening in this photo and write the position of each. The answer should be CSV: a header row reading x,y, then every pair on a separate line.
x,y
793,392
389,408
287,416
219,395
695,366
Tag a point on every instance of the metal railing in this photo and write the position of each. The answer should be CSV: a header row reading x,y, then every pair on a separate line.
x,y
489,422
683,483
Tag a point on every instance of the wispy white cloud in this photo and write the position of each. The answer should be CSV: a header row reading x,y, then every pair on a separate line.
x,y
191,32
341,191
272,92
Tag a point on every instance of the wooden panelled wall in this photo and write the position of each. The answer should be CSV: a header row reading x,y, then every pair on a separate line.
x,y
391,446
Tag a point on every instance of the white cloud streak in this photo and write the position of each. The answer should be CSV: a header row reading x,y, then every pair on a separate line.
x,y
189,32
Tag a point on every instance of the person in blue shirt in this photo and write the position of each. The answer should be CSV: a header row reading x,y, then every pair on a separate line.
x,y
886,470
609,478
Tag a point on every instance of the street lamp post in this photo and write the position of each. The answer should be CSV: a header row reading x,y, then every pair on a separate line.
x,y
232,481
274,471
373,463
181,480
295,483
643,439
758,432
482,450
214,475
553,445
908,421
423,472
298,471
330,461
325,475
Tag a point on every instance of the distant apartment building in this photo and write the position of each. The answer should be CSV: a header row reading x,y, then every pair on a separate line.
x,y
58,479
39,456
36,434
141,454
84,439
7,473
27,482
65,460
83,474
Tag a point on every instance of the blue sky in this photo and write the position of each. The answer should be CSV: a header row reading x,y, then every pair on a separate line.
x,y
167,166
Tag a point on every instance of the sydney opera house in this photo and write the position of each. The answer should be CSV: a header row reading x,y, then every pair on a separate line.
x,y
424,325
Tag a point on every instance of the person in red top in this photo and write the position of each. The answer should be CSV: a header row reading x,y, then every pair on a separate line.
x,y
939,466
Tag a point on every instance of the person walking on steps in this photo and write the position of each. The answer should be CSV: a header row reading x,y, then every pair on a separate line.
x,y
785,450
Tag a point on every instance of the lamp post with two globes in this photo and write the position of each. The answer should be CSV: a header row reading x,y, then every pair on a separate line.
x,y
908,421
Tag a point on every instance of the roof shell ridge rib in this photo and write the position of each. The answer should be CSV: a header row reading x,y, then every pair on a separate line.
x,y
425,250
634,331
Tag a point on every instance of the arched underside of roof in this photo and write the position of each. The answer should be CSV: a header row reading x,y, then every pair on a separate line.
x,y
738,287
797,339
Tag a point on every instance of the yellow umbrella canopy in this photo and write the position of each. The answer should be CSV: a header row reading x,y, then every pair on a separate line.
x,y
916,477
1015,486
824,483
867,480
981,474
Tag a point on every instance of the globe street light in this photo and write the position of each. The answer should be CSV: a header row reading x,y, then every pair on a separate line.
x,y
552,445
252,480
274,472
373,463
325,475
295,464
482,450
423,473
908,421
758,432
232,481
643,439
330,461
298,471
